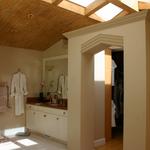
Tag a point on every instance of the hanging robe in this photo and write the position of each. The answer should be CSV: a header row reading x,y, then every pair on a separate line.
x,y
114,66
63,86
113,121
18,91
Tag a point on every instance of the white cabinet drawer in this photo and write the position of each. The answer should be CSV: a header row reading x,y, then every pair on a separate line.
x,y
48,121
50,110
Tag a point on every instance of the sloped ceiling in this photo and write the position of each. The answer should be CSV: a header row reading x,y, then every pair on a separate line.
x,y
36,24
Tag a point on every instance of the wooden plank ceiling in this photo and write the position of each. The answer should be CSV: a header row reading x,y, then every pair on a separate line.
x,y
38,24
35,24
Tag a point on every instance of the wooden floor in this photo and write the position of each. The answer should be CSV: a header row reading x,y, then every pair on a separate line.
x,y
114,144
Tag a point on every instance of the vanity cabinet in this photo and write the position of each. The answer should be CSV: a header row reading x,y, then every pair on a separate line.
x,y
48,121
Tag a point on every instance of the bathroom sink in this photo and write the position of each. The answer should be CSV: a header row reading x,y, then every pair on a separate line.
x,y
52,104
39,104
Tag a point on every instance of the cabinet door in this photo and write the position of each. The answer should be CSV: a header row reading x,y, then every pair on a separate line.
x,y
51,122
46,123
63,129
35,120
30,119
40,122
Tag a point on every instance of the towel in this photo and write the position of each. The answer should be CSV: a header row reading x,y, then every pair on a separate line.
x,y
18,91
3,97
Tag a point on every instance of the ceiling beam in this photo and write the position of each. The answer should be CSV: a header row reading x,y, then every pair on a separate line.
x,y
122,5
143,5
93,7
72,7
94,16
121,14
56,2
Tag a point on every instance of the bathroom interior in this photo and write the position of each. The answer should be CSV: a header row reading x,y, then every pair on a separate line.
x,y
37,62
34,99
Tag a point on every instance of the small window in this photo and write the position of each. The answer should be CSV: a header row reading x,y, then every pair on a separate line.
x,y
99,66
83,3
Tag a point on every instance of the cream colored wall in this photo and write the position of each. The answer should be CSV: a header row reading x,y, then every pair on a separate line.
x,y
74,95
30,63
99,109
98,97
148,81
59,48
135,87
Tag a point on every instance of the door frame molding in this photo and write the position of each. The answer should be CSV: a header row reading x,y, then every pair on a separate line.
x,y
91,47
108,94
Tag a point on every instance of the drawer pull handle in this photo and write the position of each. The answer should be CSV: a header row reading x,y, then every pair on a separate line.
x,y
57,118
44,115
64,113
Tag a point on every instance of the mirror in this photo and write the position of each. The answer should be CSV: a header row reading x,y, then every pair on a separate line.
x,y
55,71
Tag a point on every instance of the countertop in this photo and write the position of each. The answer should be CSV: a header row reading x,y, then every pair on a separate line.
x,y
34,101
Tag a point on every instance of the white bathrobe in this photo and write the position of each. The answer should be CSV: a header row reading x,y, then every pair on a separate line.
x,y
63,86
18,90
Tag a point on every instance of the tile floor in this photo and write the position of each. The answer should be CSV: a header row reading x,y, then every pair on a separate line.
x,y
41,142
32,142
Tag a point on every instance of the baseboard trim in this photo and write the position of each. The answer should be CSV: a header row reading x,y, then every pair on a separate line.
x,y
99,142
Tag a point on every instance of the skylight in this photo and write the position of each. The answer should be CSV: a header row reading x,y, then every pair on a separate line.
x,y
108,12
99,66
84,3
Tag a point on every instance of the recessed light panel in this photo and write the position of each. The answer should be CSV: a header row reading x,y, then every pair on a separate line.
x,y
108,11
84,3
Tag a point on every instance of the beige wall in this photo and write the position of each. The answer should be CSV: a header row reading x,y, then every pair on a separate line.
x,y
99,95
99,109
148,80
30,63
59,48
135,87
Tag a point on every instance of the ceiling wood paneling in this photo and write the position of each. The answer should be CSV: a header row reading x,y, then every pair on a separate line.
x,y
36,24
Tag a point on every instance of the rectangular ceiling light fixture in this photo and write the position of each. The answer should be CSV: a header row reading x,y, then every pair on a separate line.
x,y
83,3
108,12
